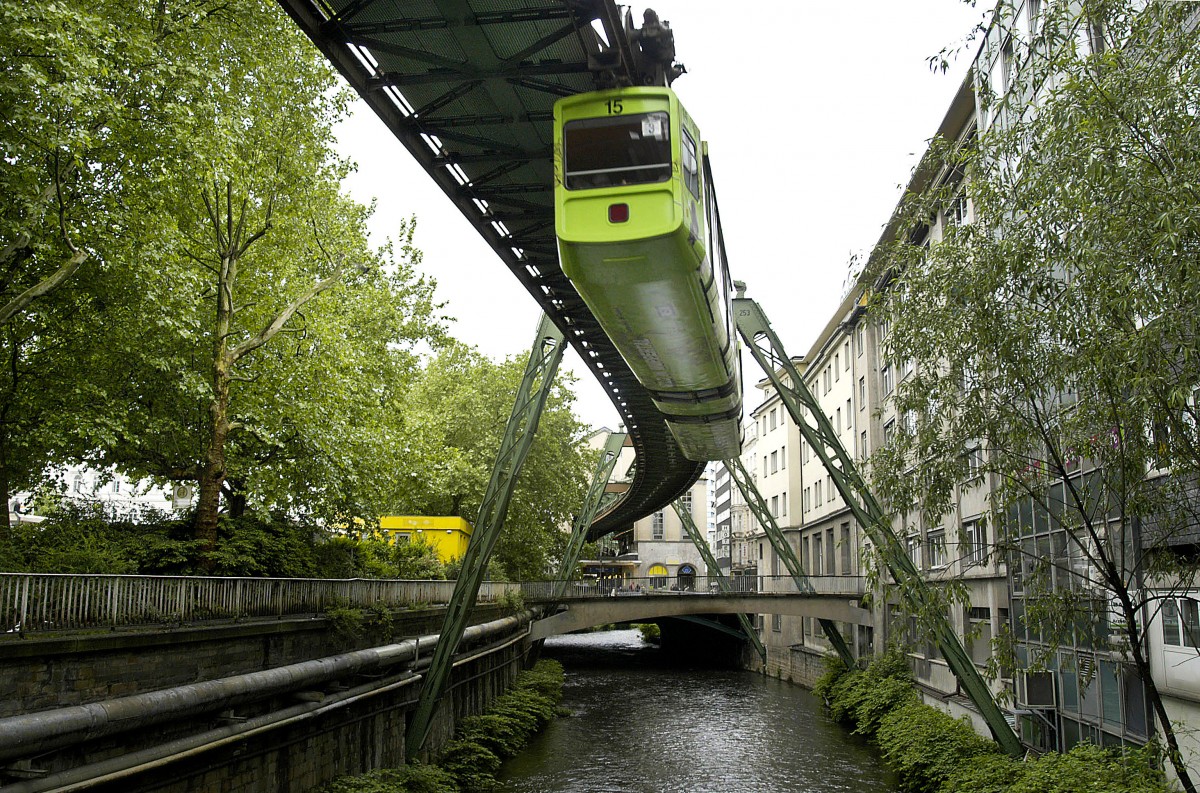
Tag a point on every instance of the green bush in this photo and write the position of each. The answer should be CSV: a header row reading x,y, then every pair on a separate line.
x,y
483,742
1089,769
414,778
651,633
926,746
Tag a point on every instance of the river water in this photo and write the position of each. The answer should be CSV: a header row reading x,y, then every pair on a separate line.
x,y
642,724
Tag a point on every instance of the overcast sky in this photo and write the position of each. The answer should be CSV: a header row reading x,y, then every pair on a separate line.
x,y
815,114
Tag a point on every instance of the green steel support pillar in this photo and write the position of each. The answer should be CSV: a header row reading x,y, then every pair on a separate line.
x,y
591,503
701,544
518,437
783,549
806,411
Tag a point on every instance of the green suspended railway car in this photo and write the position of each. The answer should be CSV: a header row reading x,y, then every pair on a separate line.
x,y
636,222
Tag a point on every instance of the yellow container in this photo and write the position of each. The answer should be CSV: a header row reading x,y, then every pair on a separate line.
x,y
448,534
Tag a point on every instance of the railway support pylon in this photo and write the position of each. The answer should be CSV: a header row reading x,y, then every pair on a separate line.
x,y
689,526
591,504
522,425
806,411
783,549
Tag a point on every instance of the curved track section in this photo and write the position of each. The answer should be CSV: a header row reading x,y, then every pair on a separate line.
x,y
468,86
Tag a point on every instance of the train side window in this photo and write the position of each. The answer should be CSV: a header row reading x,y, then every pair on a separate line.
x,y
691,167
617,150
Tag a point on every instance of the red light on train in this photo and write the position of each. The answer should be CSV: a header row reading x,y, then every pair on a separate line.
x,y
618,213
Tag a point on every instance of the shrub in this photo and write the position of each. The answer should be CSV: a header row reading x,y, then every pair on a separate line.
x,y
926,746
415,778
1089,769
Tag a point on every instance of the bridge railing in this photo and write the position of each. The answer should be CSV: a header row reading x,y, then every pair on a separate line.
x,y
32,602
850,586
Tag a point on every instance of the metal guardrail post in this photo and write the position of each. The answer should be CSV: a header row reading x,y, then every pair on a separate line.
x,y
518,437
768,351
783,549
689,526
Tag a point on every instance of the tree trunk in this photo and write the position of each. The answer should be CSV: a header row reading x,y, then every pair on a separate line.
x,y
5,525
212,468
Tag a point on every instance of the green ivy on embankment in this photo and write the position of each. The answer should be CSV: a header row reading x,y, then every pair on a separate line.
x,y
471,760
933,752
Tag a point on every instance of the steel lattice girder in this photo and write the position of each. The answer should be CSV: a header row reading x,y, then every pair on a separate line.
x,y
819,433
468,86
693,533
514,447
758,506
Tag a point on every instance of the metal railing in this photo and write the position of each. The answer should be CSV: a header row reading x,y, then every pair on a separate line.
x,y
39,602
850,586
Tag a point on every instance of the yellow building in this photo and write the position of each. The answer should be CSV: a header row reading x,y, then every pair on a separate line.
x,y
448,535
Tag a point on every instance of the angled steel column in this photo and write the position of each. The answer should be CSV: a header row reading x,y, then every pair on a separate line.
x,y
518,437
768,351
591,503
701,544
783,549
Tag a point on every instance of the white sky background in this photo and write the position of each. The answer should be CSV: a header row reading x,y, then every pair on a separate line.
x,y
814,113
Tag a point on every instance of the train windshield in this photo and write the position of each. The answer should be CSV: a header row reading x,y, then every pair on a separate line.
x,y
617,150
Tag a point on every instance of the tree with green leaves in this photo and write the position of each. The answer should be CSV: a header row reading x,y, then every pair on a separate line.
x,y
454,419
1056,331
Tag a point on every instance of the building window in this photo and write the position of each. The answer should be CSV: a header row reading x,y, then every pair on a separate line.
x,y
830,562
849,411
889,431
804,500
1179,632
837,368
764,465
846,357
974,539
862,449
845,549
912,544
656,526
774,462
859,339
803,450
838,425
774,506
783,502
885,379
776,623
828,381
937,548
687,502
974,463
829,489
783,459
772,418
817,494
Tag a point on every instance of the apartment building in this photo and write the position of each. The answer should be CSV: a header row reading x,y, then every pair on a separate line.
x,y
1064,691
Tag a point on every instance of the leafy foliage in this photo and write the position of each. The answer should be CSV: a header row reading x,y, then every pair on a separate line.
x,y
415,778
933,752
483,742
1056,331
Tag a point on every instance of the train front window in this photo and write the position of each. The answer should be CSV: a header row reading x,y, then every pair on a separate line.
x,y
617,150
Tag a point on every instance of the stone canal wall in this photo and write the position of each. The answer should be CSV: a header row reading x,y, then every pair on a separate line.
x,y
241,708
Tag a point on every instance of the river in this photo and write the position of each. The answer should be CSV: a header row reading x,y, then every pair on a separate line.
x,y
640,724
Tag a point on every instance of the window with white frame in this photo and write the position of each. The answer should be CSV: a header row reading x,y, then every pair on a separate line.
x,y
889,431
772,418
848,412
774,506
862,392
936,548
828,380
1181,622
974,548
783,503
774,462
885,379
974,462
656,526
783,459
837,366
817,494
846,356
860,336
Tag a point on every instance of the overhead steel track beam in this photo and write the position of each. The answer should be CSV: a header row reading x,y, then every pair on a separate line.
x,y
468,87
